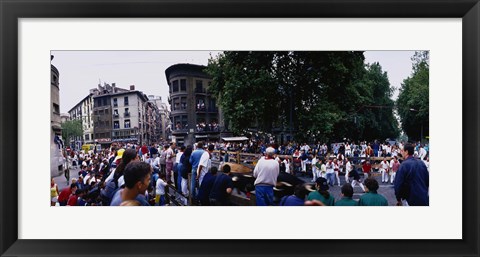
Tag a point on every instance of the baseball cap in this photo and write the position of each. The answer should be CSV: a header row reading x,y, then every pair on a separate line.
x,y
119,154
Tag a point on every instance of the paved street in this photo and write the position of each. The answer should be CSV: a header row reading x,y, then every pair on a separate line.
x,y
62,182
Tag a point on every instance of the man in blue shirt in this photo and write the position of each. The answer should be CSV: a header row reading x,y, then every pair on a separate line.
x,y
412,180
195,161
222,188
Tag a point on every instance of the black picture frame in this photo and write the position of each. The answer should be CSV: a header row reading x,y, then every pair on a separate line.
x,y
11,11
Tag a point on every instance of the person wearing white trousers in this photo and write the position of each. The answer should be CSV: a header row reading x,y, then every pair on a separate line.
x,y
348,168
315,169
384,167
356,180
337,170
394,166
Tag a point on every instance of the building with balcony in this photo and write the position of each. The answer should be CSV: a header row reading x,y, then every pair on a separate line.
x,y
83,111
56,143
129,117
194,112
163,128
103,113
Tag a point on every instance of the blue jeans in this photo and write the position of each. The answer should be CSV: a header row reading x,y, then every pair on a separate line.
x,y
331,178
264,195
193,191
179,182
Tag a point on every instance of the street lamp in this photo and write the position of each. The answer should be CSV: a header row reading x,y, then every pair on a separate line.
x,y
421,127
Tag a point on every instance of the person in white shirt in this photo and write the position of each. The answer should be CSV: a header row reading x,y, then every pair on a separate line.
x,y
323,169
388,150
160,190
422,153
394,166
337,165
384,168
330,172
427,163
178,177
348,150
266,173
315,170
286,161
348,169
205,164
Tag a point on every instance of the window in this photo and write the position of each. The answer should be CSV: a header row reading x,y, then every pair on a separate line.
x,y
95,112
56,108
183,85
87,137
101,112
175,86
127,113
200,104
104,101
106,111
183,103
125,100
107,123
115,113
116,125
115,102
127,124
199,86
176,104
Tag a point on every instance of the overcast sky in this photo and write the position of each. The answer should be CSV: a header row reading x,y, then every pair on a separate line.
x,y
81,71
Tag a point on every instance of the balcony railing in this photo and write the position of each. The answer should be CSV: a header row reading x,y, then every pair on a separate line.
x,y
127,114
115,115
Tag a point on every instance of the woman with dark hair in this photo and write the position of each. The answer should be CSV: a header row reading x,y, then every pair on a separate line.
x,y
184,167
115,180
372,198
322,193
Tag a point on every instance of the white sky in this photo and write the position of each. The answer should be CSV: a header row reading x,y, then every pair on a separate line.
x,y
81,71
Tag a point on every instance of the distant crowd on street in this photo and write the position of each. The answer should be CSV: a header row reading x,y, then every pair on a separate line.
x,y
131,174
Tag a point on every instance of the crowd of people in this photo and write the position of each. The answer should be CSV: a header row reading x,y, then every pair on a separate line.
x,y
129,174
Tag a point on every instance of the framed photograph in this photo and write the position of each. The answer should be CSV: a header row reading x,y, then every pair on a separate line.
x,y
33,31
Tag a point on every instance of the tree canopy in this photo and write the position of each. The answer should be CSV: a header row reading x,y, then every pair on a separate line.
x,y
70,129
413,100
318,96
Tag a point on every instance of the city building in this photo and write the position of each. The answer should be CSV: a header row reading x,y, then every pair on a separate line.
x,y
163,123
129,116
83,111
112,114
103,113
56,144
194,113
64,117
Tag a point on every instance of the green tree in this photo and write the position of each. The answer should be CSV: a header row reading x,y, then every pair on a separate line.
x,y
378,120
413,100
316,95
71,129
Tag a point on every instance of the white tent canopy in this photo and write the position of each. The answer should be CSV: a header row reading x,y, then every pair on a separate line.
x,y
234,138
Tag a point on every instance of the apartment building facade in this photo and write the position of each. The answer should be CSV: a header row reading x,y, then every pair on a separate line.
x,y
194,112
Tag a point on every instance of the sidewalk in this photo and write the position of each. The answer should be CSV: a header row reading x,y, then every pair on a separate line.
x,y
62,182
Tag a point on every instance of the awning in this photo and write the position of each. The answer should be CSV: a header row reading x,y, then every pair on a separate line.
x,y
234,138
